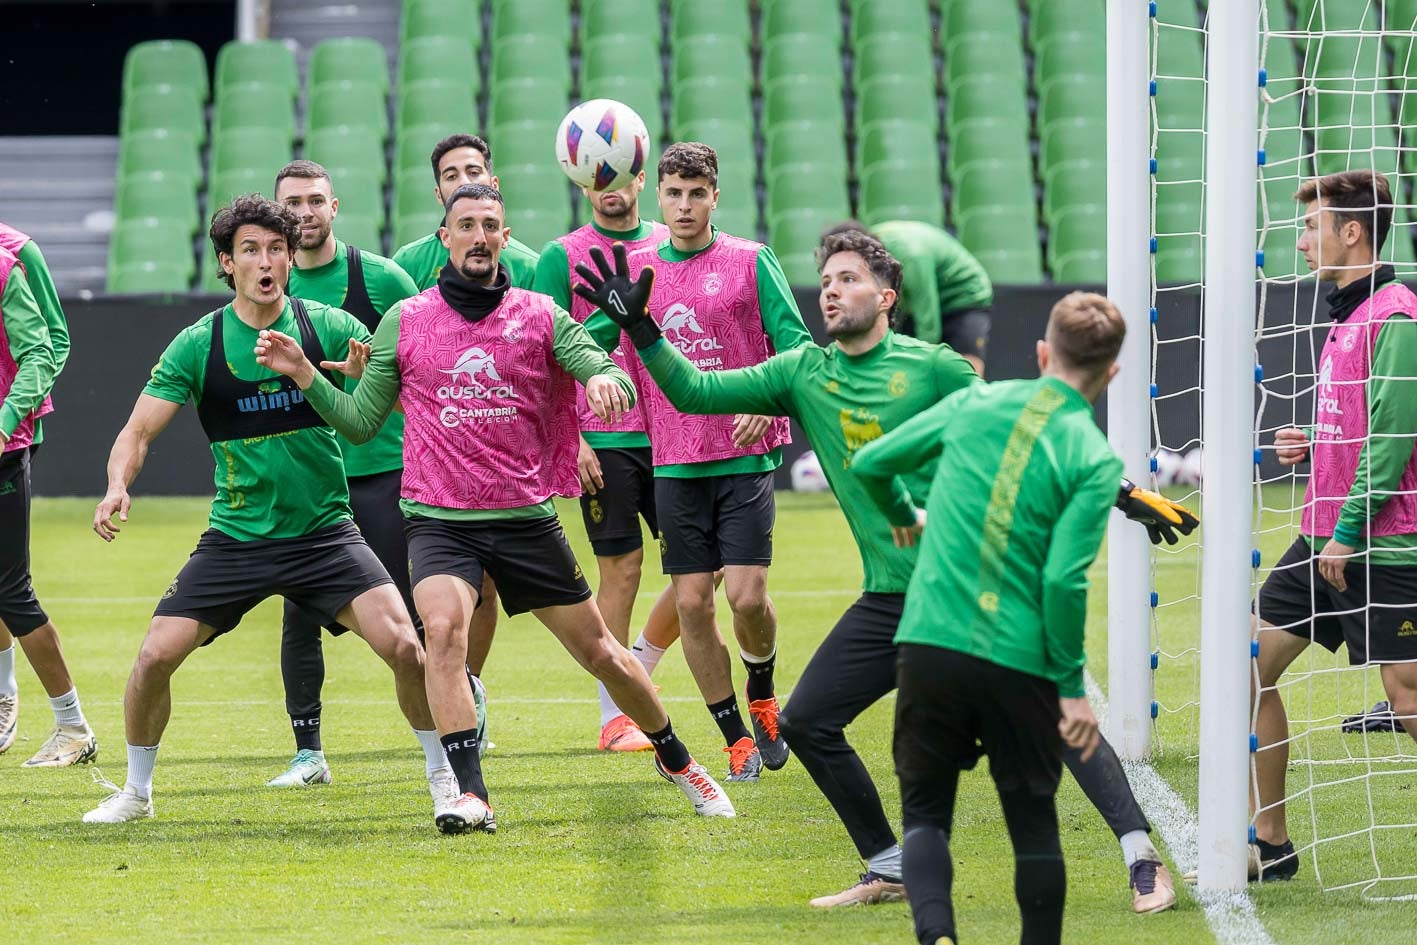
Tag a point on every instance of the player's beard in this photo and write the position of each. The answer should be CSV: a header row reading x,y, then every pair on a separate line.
x,y
619,211
316,239
479,269
851,325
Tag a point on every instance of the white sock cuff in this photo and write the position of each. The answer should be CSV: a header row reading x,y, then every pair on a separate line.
x,y
750,658
642,644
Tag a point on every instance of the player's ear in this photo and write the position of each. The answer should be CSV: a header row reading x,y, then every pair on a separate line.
x,y
1112,371
888,297
445,236
1043,355
334,207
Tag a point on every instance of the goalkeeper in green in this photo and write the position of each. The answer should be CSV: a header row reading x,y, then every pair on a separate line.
x,y
867,383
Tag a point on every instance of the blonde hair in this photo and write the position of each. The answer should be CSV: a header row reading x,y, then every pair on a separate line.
x,y
1085,331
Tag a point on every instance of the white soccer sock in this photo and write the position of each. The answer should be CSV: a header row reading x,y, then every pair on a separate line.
x,y
141,761
67,713
1136,845
754,659
608,708
887,862
8,686
433,757
647,653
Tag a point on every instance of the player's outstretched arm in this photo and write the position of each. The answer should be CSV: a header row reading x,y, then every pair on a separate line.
x,y
150,416
608,389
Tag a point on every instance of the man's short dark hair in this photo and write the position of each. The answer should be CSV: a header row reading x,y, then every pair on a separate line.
x,y
305,170
1362,196
852,237
471,192
250,210
453,142
689,160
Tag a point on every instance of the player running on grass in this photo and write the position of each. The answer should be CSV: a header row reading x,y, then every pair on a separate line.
x,y
867,383
365,285
991,637
280,520
615,462
486,375
34,343
725,302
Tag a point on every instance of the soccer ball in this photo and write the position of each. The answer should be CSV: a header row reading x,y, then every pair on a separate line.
x,y
602,144
1168,467
807,475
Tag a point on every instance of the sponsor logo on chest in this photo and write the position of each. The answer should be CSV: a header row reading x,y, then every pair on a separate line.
x,y
681,327
270,398
474,382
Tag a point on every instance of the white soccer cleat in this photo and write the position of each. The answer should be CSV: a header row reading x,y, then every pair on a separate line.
x,y
443,785
67,746
120,807
9,720
701,790
306,768
467,812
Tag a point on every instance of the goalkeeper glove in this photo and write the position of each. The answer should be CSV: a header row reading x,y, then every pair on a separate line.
x,y
624,302
1162,517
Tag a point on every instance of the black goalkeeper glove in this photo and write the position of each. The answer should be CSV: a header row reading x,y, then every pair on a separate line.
x,y
624,302
1162,517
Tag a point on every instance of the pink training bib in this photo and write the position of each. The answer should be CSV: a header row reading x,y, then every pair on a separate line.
x,y
9,368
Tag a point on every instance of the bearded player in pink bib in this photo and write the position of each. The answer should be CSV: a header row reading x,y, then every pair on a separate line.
x,y
1351,577
486,375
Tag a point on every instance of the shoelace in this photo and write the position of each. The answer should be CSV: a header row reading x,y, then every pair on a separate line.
x,y
766,712
739,753
699,780
1144,877
101,781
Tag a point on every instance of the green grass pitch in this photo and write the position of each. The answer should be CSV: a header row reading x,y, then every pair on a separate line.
x,y
591,848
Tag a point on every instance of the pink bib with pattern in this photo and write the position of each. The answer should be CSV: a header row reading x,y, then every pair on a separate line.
x,y
24,433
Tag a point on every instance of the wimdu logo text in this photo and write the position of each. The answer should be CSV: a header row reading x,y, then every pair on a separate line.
x,y
269,396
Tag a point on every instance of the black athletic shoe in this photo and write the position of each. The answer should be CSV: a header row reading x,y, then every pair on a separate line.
x,y
1276,861
1377,719
771,745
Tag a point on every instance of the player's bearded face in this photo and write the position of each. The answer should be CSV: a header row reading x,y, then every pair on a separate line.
x,y
474,236
851,298
618,204
259,264
313,204
462,166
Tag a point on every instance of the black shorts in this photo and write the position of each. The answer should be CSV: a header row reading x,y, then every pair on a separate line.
x,y
1376,616
19,608
951,708
612,516
319,573
529,559
715,521
967,331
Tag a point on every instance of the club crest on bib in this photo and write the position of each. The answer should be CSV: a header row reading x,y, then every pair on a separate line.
x,y
512,333
712,284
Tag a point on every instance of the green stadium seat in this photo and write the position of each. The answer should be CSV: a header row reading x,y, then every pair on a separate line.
x,y
1083,267
155,194
737,220
415,145
441,18
1012,266
624,18
817,18
1065,16
256,149
999,183
802,55
441,59
803,143
988,140
800,268
962,17
342,150
895,98
711,57
253,105
1070,53
993,229
267,61
225,186
362,231
617,56
691,21
737,185
902,191
536,228
166,62
1081,139
798,233
1070,96
731,139
898,54
639,92
898,16
169,107
899,141
987,97
536,57
526,100
436,102
512,18
150,239
979,54
349,105
174,154
787,192
148,278
1180,263
413,191
1082,229
802,99
535,187
361,195
522,142
349,59
703,99
1073,184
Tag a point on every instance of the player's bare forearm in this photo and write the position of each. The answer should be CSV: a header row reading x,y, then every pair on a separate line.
x,y
150,416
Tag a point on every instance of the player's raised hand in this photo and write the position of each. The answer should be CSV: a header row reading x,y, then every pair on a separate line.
x,y
749,429
625,302
114,503
606,398
354,363
1291,446
281,353
1078,726
1162,517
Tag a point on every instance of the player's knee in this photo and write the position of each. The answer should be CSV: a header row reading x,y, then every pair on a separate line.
x,y
407,653
751,603
694,600
443,634
606,660
804,731
155,661
623,569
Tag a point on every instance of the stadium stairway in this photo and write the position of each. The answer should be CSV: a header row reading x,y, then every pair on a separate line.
x,y
59,190
306,22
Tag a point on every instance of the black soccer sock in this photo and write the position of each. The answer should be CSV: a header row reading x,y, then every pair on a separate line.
x,y
729,719
1040,880
461,749
672,753
760,678
928,872
307,731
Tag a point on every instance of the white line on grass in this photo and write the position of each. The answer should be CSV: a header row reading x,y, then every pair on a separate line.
x,y
1231,916
644,595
